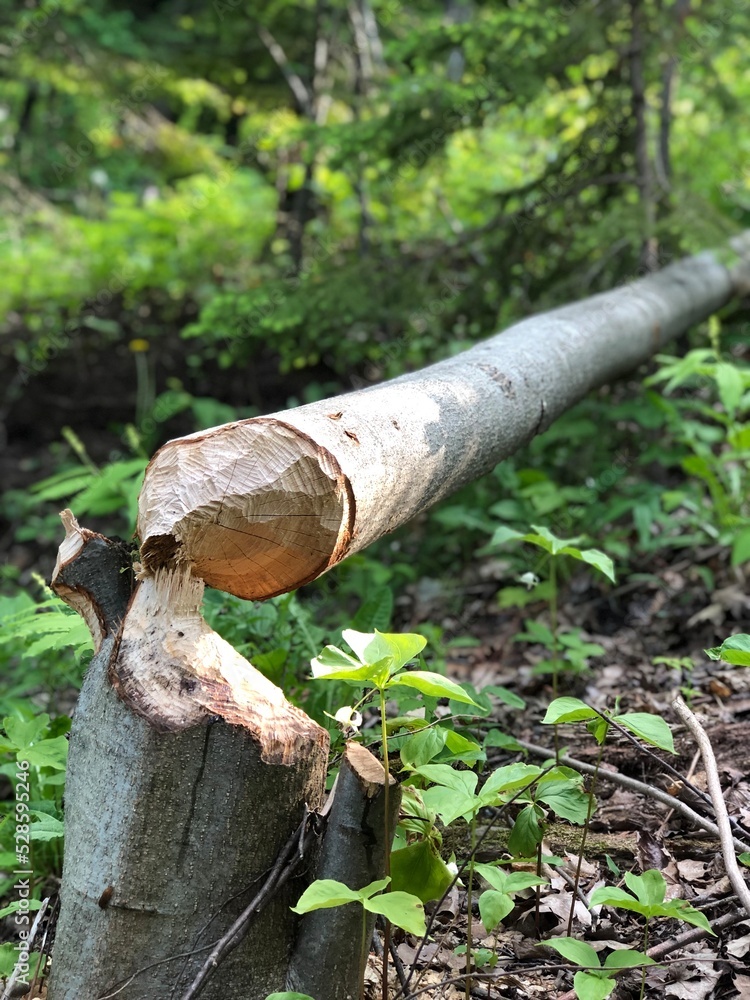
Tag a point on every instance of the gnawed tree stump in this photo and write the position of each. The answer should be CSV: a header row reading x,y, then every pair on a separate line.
x,y
188,771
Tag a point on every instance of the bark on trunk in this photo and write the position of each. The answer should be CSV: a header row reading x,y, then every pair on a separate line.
x,y
263,506
174,813
329,959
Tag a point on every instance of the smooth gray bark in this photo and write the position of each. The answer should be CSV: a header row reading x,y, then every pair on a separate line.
x,y
264,505
328,962
167,833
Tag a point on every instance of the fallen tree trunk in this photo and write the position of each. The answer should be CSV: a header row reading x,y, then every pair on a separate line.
x,y
262,506
189,771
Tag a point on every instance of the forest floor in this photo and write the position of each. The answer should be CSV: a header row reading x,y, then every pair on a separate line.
x,y
668,612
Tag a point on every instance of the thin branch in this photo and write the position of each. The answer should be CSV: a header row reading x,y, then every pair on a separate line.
x,y
286,864
295,81
615,778
720,808
695,934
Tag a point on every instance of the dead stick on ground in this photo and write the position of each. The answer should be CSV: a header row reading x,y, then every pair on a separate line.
x,y
720,808
694,934
634,786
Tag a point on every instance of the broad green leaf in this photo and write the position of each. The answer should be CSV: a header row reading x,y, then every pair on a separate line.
x,y
402,909
730,385
650,728
510,777
431,684
325,893
680,909
462,748
568,710
575,951
449,804
507,697
598,728
735,649
444,774
419,869
23,732
369,673
567,799
377,886
45,827
493,907
423,746
609,895
48,753
371,647
594,558
526,833
627,959
592,986
744,858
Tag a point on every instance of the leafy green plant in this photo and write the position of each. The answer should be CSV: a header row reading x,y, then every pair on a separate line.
x,y
735,649
568,649
34,747
597,981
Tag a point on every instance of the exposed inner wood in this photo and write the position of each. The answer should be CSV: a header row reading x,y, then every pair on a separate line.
x,y
176,672
254,508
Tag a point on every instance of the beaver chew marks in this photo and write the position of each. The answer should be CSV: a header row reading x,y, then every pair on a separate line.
x,y
255,508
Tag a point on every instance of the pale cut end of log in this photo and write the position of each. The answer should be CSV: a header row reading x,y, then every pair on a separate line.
x,y
172,669
255,508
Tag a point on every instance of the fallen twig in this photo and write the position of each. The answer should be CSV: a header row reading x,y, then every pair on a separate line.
x,y
720,808
695,934
615,778
9,986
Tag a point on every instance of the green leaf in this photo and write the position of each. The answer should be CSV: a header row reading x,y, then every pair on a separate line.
x,y
649,728
431,684
627,959
48,753
507,697
609,895
568,710
402,909
325,893
419,869
509,777
12,907
591,986
462,748
650,887
449,804
735,649
567,798
444,774
594,558
24,732
371,647
741,546
680,909
45,827
526,833
573,950
423,746
493,907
